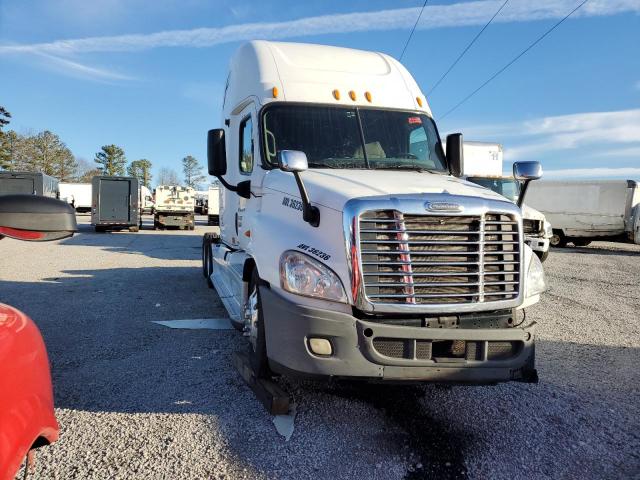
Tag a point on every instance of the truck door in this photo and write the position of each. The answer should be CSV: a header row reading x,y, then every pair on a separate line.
x,y
242,156
114,200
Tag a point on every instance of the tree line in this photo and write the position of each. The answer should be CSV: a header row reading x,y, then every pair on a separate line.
x,y
45,152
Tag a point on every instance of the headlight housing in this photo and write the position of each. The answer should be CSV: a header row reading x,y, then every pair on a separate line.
x,y
536,282
548,230
304,275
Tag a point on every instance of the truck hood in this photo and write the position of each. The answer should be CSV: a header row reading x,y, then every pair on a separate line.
x,y
333,188
531,213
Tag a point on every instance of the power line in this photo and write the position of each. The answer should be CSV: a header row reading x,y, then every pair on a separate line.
x,y
513,60
413,29
467,48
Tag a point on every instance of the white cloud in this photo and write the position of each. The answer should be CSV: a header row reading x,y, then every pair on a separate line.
x,y
624,172
435,16
593,129
76,69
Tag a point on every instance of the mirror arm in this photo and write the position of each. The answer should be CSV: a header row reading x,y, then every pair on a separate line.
x,y
310,214
243,189
226,184
523,192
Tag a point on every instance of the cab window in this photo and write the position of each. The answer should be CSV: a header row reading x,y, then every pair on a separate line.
x,y
246,146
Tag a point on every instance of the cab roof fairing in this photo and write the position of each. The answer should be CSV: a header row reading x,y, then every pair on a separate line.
x,y
309,73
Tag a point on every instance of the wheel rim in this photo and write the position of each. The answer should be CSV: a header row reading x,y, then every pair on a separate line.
x,y
251,318
555,239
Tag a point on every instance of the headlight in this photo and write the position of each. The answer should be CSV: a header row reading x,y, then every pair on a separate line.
x,y
536,283
548,231
303,275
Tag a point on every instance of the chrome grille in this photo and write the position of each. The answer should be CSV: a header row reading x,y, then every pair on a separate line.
x,y
436,259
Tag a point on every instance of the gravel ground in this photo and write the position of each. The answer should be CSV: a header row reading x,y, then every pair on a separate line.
x,y
138,400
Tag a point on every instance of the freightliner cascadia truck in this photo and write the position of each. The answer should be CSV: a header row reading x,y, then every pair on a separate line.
x,y
349,246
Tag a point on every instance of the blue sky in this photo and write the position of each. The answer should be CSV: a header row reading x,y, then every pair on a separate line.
x,y
148,76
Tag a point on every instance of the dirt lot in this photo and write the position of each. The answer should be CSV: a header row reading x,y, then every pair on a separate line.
x,y
139,400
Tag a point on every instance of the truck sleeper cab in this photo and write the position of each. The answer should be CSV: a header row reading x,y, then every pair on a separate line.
x,y
347,248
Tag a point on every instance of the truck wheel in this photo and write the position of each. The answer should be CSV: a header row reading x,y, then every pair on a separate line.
x,y
192,227
204,257
581,243
207,260
257,341
542,255
558,239
134,228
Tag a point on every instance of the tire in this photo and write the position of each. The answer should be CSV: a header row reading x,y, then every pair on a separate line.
x,y
203,257
207,241
257,345
580,243
558,239
134,228
542,255
192,227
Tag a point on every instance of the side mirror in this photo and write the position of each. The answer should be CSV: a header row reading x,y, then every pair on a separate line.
x,y
292,161
216,152
526,172
36,218
455,154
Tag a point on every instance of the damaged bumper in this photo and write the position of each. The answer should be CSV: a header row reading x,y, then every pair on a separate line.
x,y
376,351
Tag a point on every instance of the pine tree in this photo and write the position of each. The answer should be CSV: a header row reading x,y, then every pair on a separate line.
x,y
192,171
141,169
111,160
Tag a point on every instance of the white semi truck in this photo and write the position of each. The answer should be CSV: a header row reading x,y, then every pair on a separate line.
x,y
174,207
585,210
348,247
537,230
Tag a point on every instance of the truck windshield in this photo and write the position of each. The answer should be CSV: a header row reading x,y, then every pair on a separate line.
x,y
507,187
335,137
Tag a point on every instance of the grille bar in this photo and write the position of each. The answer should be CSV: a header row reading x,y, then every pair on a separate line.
x,y
431,259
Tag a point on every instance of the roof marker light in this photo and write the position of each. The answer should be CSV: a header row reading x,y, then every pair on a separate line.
x,y
352,95
367,95
419,100
274,92
336,94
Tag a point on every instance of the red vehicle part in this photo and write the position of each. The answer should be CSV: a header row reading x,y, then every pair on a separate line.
x,y
27,419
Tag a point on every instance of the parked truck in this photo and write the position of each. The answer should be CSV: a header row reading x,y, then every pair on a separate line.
x,y
32,183
174,207
78,195
213,205
145,200
581,211
349,246
115,203
537,230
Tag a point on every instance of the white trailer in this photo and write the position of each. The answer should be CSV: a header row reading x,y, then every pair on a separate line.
x,y
174,207
349,246
213,205
78,195
586,210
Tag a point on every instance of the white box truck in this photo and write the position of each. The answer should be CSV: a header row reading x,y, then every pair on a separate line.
x,y
213,205
78,195
348,245
145,200
584,210
174,207
483,158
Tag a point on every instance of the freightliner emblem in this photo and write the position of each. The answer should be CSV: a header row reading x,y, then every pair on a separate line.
x,y
443,207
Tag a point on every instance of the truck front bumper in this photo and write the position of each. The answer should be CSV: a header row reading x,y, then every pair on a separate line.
x,y
376,351
537,244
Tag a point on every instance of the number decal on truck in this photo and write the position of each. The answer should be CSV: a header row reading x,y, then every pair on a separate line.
x,y
292,203
314,251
